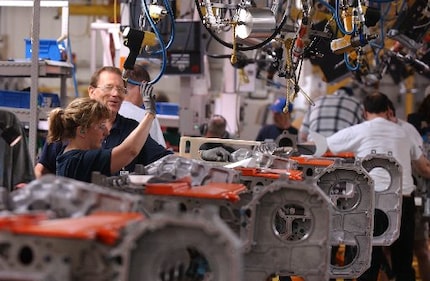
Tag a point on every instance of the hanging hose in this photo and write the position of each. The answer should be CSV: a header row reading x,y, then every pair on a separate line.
x,y
172,20
163,46
135,40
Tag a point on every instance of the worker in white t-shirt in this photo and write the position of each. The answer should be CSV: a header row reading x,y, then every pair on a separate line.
x,y
379,134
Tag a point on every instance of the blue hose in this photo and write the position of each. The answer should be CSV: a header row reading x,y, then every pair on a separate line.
x,y
69,53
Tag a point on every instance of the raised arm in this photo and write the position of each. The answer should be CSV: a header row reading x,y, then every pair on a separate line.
x,y
124,153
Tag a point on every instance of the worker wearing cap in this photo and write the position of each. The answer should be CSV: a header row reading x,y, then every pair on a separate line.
x,y
281,121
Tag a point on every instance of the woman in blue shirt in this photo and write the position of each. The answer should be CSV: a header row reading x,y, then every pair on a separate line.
x,y
83,125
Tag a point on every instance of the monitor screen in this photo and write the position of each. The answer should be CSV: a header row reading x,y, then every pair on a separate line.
x,y
185,54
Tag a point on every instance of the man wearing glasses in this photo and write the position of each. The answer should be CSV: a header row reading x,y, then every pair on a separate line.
x,y
108,87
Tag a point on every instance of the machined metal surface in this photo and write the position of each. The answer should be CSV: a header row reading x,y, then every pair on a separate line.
x,y
255,23
167,247
350,189
286,230
229,212
94,233
66,197
172,245
202,220
172,167
27,257
388,202
285,139
256,183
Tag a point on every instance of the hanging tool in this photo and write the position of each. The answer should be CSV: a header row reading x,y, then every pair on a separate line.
x,y
136,40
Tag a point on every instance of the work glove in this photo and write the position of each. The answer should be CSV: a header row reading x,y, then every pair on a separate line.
x,y
148,97
218,154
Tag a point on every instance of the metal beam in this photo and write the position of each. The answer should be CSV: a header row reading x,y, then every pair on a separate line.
x,y
93,10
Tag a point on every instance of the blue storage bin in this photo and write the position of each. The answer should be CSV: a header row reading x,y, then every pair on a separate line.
x,y
21,99
167,108
48,100
49,49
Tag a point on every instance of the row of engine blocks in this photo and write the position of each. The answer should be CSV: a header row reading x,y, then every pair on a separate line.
x,y
195,221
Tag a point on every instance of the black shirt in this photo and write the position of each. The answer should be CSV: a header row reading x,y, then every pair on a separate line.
x,y
80,164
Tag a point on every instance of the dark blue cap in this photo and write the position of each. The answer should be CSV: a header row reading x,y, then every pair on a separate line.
x,y
279,104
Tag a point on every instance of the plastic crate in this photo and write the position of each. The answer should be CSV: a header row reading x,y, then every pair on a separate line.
x,y
21,99
48,100
167,108
49,49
